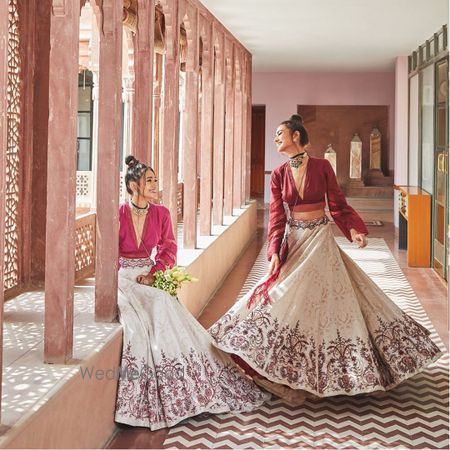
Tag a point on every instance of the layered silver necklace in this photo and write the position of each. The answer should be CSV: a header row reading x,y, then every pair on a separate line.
x,y
297,160
138,210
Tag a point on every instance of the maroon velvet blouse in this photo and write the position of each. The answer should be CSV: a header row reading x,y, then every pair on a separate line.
x,y
320,180
157,232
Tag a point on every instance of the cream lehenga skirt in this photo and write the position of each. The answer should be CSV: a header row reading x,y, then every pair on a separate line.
x,y
170,369
327,329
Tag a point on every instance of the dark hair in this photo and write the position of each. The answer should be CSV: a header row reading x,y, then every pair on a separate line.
x,y
135,171
295,123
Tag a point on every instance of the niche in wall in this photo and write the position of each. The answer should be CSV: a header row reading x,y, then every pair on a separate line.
x,y
336,125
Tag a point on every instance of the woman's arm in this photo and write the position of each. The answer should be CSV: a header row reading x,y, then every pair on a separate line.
x,y
166,253
277,217
345,217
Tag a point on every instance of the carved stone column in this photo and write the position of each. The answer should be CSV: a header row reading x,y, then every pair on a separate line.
x,y
237,119
157,99
219,127
169,138
62,135
143,62
206,132
244,133
40,142
229,128
190,130
249,125
110,99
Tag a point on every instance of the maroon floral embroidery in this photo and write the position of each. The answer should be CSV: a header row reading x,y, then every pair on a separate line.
x,y
394,351
308,224
135,262
181,387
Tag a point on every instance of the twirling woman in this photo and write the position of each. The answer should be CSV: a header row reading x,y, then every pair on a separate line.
x,y
318,324
169,370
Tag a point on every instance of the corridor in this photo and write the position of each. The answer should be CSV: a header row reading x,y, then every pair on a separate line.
x,y
229,104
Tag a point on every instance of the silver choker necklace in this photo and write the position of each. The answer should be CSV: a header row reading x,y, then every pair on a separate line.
x,y
138,210
297,160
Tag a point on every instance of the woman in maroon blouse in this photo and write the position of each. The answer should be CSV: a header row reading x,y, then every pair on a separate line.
x,y
170,369
317,323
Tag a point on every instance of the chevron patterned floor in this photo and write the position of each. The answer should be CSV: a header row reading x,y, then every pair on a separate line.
x,y
414,415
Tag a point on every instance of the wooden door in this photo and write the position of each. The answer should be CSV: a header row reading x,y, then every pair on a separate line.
x,y
258,150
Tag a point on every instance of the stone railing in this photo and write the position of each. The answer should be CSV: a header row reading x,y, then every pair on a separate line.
x,y
85,189
85,246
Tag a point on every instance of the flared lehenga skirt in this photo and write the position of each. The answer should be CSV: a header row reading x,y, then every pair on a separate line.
x,y
328,329
170,369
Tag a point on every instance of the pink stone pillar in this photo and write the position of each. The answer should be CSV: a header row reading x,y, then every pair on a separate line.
x,y
143,67
3,148
219,128
40,141
190,136
246,125
157,88
229,128
60,232
108,163
169,138
237,159
206,133
243,105
249,125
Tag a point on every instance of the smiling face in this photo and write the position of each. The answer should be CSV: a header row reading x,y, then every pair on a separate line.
x,y
149,186
286,141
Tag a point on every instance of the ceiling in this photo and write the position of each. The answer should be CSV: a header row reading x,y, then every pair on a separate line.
x,y
329,35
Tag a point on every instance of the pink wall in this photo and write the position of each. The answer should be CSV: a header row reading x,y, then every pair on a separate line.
x,y
282,92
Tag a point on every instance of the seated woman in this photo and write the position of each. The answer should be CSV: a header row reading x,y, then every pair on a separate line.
x,y
318,323
170,369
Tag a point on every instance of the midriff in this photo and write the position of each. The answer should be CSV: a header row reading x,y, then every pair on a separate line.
x,y
308,215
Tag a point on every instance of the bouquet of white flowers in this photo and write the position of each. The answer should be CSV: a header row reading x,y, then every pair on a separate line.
x,y
170,280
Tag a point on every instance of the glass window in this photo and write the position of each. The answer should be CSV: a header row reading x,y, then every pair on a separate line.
x,y
83,154
84,98
427,144
84,125
413,156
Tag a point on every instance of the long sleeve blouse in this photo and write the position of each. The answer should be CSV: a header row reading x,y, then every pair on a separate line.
x,y
320,181
157,233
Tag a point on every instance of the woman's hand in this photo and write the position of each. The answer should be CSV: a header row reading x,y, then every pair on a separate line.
x,y
358,238
274,263
146,279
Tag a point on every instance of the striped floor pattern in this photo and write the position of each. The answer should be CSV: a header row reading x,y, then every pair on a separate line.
x,y
414,415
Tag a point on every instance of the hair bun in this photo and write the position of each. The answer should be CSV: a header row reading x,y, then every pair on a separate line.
x,y
297,118
131,161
